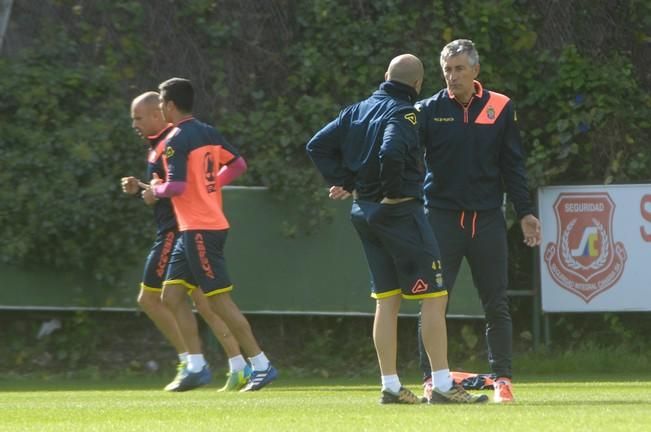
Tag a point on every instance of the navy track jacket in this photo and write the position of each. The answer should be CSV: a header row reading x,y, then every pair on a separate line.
x,y
372,147
473,153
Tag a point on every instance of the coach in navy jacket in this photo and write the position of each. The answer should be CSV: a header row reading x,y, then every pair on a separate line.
x,y
473,152
474,155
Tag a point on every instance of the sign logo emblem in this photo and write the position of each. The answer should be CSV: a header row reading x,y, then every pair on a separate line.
x,y
585,260
490,113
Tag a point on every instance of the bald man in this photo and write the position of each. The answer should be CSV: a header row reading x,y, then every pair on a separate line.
x,y
180,328
371,151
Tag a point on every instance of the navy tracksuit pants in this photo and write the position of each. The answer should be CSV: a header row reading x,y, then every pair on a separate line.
x,y
480,237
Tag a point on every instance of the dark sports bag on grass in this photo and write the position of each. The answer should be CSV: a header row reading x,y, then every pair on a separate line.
x,y
473,381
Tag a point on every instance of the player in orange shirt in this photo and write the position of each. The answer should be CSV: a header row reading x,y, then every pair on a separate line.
x,y
148,122
199,162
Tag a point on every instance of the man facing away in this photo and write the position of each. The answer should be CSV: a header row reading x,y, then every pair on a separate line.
x,y
148,122
199,162
371,151
473,153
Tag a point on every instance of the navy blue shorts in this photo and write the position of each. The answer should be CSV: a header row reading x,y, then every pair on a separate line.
x,y
157,260
400,248
198,261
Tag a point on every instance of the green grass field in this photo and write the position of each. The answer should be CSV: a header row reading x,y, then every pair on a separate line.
x,y
567,404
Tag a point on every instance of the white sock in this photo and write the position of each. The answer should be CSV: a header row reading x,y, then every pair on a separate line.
x,y
237,363
183,357
442,380
259,362
196,362
391,383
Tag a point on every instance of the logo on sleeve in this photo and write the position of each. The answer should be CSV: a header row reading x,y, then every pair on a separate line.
x,y
169,152
411,117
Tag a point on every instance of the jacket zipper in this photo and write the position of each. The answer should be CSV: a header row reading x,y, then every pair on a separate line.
x,y
466,108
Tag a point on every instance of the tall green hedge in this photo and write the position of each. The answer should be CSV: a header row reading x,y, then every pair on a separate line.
x,y
269,74
65,141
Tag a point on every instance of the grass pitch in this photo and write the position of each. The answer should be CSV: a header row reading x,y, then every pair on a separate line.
x,y
604,403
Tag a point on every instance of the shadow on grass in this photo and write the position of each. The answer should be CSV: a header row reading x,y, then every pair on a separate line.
x,y
34,383
49,384
286,382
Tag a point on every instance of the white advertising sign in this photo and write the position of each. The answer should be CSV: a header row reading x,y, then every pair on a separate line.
x,y
595,254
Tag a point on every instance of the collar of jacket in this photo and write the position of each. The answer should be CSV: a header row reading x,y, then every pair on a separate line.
x,y
479,90
155,139
399,90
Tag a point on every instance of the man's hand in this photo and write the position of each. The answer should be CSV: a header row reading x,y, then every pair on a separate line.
x,y
531,230
148,197
155,180
338,193
130,185
148,194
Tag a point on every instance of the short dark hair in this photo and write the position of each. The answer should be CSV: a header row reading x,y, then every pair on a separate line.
x,y
179,91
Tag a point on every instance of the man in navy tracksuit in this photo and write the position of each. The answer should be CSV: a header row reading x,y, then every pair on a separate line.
x,y
371,150
474,154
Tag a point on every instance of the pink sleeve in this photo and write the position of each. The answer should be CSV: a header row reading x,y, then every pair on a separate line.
x,y
169,189
230,172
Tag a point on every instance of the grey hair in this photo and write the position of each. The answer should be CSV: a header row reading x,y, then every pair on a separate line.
x,y
460,46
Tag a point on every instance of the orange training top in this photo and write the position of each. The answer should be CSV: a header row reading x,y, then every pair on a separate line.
x,y
194,154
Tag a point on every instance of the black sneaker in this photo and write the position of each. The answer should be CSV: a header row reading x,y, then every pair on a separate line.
x,y
456,395
404,396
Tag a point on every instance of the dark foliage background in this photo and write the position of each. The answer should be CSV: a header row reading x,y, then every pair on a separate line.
x,y
269,74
